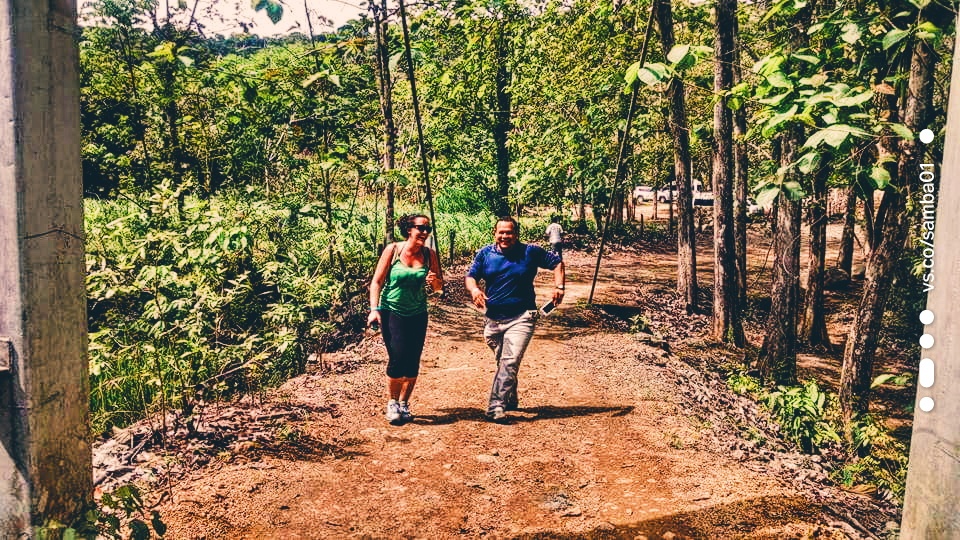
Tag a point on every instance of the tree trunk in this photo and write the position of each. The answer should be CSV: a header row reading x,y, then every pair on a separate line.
x,y
845,257
741,165
814,330
727,326
385,91
857,372
778,355
501,121
687,235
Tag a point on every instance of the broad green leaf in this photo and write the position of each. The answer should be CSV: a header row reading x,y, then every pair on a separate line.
x,y
851,33
770,128
834,135
678,53
808,58
793,190
901,130
893,37
652,74
779,79
855,100
880,177
767,195
808,162
185,60
921,4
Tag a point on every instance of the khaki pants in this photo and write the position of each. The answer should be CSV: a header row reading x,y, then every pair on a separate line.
x,y
508,339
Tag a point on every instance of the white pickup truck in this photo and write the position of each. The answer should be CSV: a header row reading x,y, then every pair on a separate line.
x,y
700,197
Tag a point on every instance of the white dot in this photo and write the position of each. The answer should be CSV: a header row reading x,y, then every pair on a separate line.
x,y
926,341
926,404
926,136
926,316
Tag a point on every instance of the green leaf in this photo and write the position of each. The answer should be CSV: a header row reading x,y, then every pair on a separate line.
x,y
834,135
794,190
855,99
851,33
779,79
808,58
767,195
678,53
770,128
139,530
893,37
185,60
652,74
901,130
880,177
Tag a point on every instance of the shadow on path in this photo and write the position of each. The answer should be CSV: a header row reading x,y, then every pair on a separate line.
x,y
732,520
460,414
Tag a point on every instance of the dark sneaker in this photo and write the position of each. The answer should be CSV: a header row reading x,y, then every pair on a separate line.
x,y
393,412
405,414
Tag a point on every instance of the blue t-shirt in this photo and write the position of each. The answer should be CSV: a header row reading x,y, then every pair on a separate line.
x,y
509,277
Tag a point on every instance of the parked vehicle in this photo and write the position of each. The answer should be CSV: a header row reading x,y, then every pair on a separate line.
x,y
669,192
643,193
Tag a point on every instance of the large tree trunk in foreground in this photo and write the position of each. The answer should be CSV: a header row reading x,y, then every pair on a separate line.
x,y
727,325
686,235
857,372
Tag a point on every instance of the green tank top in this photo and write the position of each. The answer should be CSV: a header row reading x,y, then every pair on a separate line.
x,y
404,292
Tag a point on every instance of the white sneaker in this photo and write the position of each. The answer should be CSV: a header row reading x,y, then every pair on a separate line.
x,y
393,412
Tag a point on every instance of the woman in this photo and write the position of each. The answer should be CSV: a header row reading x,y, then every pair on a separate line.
x,y
398,303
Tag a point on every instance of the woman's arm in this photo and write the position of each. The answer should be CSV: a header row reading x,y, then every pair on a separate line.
x,y
376,283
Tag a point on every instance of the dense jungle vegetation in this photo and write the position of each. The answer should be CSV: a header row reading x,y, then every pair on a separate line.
x,y
238,188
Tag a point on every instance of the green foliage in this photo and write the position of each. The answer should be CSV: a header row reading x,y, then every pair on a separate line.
x,y
801,412
120,515
745,385
189,303
878,459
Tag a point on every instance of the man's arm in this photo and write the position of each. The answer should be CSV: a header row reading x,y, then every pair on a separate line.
x,y
559,283
477,295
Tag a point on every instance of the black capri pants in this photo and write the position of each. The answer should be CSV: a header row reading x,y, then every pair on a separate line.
x,y
404,337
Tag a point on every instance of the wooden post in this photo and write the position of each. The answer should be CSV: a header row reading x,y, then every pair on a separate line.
x,y
453,236
931,508
45,449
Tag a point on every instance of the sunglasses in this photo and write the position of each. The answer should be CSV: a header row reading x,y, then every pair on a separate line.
x,y
423,228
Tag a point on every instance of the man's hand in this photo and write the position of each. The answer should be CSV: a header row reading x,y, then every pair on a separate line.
x,y
479,298
558,296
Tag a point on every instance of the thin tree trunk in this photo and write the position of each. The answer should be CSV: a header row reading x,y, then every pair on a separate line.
x,y
727,326
814,330
687,235
845,257
857,371
385,91
741,165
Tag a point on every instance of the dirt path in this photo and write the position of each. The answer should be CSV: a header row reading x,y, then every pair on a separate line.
x,y
604,445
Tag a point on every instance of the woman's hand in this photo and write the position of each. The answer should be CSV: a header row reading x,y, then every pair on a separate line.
x,y
374,317
434,281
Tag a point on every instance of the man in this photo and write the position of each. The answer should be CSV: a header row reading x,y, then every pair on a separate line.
x,y
508,268
554,235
